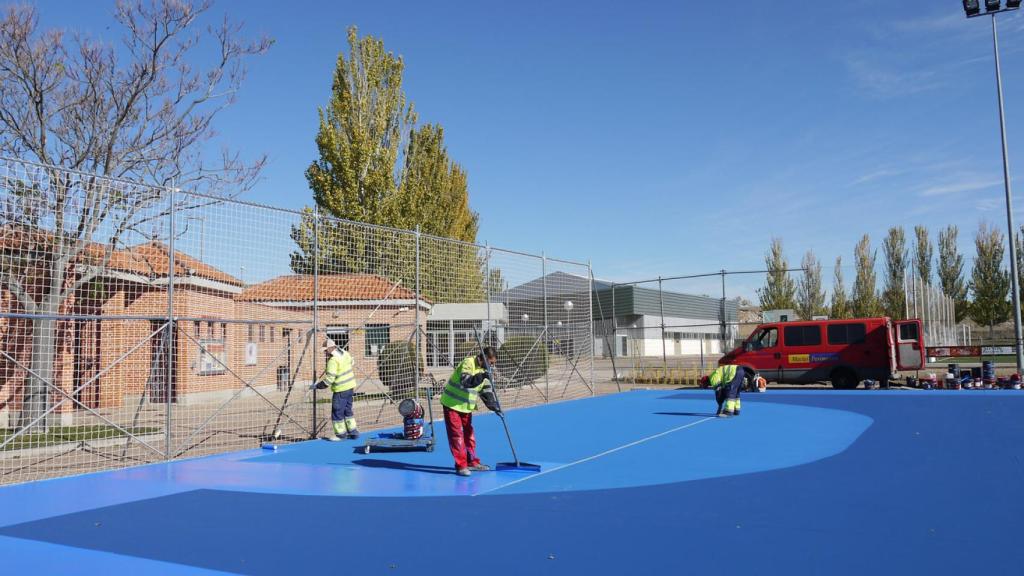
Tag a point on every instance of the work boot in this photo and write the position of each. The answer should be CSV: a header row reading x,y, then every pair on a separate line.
x,y
463,472
353,434
725,414
334,438
478,467
736,413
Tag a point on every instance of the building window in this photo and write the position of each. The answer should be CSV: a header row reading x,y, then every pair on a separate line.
x,y
272,330
377,335
224,330
249,335
263,333
209,329
198,326
339,334
846,333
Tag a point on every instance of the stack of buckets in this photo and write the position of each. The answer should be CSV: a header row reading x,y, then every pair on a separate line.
x,y
988,374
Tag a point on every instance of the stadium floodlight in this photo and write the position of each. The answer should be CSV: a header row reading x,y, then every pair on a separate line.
x,y
971,7
991,5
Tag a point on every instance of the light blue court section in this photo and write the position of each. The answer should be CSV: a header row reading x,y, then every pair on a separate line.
x,y
619,441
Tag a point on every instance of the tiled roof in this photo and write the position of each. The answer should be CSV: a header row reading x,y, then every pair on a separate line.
x,y
332,287
152,259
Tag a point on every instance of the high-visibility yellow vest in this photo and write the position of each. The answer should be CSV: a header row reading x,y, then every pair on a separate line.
x,y
463,399
340,373
722,376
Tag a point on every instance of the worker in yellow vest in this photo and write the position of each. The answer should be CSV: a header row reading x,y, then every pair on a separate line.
x,y
468,384
727,380
340,377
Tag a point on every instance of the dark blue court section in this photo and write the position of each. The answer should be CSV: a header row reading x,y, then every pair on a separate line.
x,y
816,482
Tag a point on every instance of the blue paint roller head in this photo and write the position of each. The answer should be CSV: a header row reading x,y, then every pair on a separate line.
x,y
517,467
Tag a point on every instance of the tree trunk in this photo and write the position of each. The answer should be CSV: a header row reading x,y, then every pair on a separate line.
x,y
44,351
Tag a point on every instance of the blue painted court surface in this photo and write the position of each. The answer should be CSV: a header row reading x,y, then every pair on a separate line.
x,y
804,482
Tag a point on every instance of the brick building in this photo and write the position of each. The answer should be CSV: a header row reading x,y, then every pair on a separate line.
x,y
114,351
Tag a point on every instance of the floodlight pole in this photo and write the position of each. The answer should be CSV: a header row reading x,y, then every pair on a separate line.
x,y
1014,279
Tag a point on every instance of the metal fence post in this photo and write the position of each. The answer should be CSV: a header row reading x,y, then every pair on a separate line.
x,y
544,334
416,329
171,330
661,306
316,317
723,347
590,304
487,292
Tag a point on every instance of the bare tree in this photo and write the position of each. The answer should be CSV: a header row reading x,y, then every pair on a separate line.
x,y
137,112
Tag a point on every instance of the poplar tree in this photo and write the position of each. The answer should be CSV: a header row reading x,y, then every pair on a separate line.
x,y
840,304
951,271
923,255
810,297
894,298
779,291
990,284
864,301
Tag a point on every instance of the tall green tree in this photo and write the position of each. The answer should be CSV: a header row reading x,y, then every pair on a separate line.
x,y
433,193
376,166
990,283
360,134
864,301
779,291
923,255
894,297
810,296
840,307
951,271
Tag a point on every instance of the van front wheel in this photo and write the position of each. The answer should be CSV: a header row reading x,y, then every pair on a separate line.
x,y
844,380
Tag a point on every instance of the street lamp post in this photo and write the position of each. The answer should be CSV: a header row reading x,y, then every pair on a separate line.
x,y
992,7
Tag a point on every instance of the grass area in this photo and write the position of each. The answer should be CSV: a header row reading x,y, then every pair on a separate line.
x,y
64,434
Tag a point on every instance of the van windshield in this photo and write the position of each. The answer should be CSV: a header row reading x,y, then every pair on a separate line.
x,y
764,338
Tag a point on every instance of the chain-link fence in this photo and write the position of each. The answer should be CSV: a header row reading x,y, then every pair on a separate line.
x,y
669,330
140,324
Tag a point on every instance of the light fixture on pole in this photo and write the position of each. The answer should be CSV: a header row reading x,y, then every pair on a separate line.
x,y
992,7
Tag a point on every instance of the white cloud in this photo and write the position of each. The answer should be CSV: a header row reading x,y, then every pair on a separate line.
x,y
882,82
966,185
989,204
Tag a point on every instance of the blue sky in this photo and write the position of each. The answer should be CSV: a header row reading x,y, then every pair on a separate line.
x,y
661,138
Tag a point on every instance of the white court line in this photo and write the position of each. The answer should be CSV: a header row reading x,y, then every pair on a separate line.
x,y
595,456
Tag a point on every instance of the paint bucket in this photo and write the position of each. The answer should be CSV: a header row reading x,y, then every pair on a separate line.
x,y
954,369
988,372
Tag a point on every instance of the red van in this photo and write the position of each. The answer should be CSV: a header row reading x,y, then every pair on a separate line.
x,y
844,352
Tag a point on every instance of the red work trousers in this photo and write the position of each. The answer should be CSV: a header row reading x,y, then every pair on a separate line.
x,y
459,427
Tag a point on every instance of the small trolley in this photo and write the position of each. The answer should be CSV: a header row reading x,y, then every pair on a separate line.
x,y
411,411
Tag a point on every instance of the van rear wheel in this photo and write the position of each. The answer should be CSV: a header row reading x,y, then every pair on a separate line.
x,y
844,380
